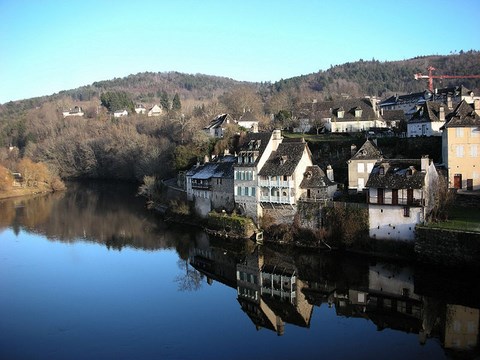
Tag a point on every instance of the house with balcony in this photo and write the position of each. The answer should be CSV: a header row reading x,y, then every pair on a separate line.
x,y
427,120
283,172
253,154
461,146
399,195
361,164
210,185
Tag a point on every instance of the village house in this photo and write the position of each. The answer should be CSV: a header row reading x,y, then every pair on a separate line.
x,y
347,115
253,154
399,195
76,111
155,110
427,120
120,113
361,164
248,121
316,186
410,103
461,146
210,185
217,126
140,109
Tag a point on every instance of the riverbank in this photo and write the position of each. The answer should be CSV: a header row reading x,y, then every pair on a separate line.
x,y
19,192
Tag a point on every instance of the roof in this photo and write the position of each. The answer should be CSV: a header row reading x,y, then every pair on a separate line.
x,y
330,109
393,115
218,121
368,151
398,174
222,168
463,115
248,116
284,160
256,142
314,177
429,112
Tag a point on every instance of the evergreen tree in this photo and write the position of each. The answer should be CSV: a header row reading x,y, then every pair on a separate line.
x,y
176,104
164,102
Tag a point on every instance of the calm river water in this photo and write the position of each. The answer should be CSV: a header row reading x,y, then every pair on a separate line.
x,y
90,274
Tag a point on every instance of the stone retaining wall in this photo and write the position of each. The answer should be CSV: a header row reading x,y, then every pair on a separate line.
x,y
447,247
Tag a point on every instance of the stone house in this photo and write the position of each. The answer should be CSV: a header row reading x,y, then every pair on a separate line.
x,y
461,146
361,164
399,194
427,120
210,185
316,186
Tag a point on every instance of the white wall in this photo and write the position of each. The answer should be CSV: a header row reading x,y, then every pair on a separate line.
x,y
387,222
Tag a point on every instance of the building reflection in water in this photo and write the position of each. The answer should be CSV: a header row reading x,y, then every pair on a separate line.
x,y
274,289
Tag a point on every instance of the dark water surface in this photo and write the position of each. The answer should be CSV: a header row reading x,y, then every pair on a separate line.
x,y
90,274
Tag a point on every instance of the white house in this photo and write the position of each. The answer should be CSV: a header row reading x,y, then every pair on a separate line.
x,y
76,111
399,194
140,109
427,120
120,113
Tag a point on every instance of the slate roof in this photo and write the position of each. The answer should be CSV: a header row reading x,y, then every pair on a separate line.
x,y
284,161
393,115
396,175
218,121
222,168
314,177
248,116
368,151
429,112
463,115
330,109
406,99
255,142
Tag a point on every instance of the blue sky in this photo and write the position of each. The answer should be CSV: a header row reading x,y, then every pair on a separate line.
x,y
47,46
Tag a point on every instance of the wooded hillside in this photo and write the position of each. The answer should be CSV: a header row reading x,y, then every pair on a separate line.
x,y
100,146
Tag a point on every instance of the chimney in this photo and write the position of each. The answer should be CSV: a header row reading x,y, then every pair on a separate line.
x,y
206,159
424,162
449,102
353,149
276,139
476,106
330,173
441,113
255,128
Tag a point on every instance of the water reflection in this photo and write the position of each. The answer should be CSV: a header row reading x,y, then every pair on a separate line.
x,y
96,212
274,289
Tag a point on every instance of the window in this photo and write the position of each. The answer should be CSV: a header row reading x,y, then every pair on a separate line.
x,y
253,191
394,196
473,150
459,132
459,150
380,196
381,170
360,167
406,211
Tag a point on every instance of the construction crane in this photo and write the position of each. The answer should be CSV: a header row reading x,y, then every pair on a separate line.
x,y
430,77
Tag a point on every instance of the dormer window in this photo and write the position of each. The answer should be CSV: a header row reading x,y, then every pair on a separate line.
x,y
340,113
381,170
358,112
283,159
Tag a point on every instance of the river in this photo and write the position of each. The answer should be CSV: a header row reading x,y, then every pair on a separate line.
x,y
91,274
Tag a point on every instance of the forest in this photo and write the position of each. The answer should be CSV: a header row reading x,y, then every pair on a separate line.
x,y
130,148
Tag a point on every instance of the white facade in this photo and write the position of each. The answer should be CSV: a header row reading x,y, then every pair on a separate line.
x,y
427,128
394,222
155,111
120,113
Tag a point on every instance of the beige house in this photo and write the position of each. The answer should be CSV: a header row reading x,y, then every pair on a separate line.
x,y
461,146
155,110
361,164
